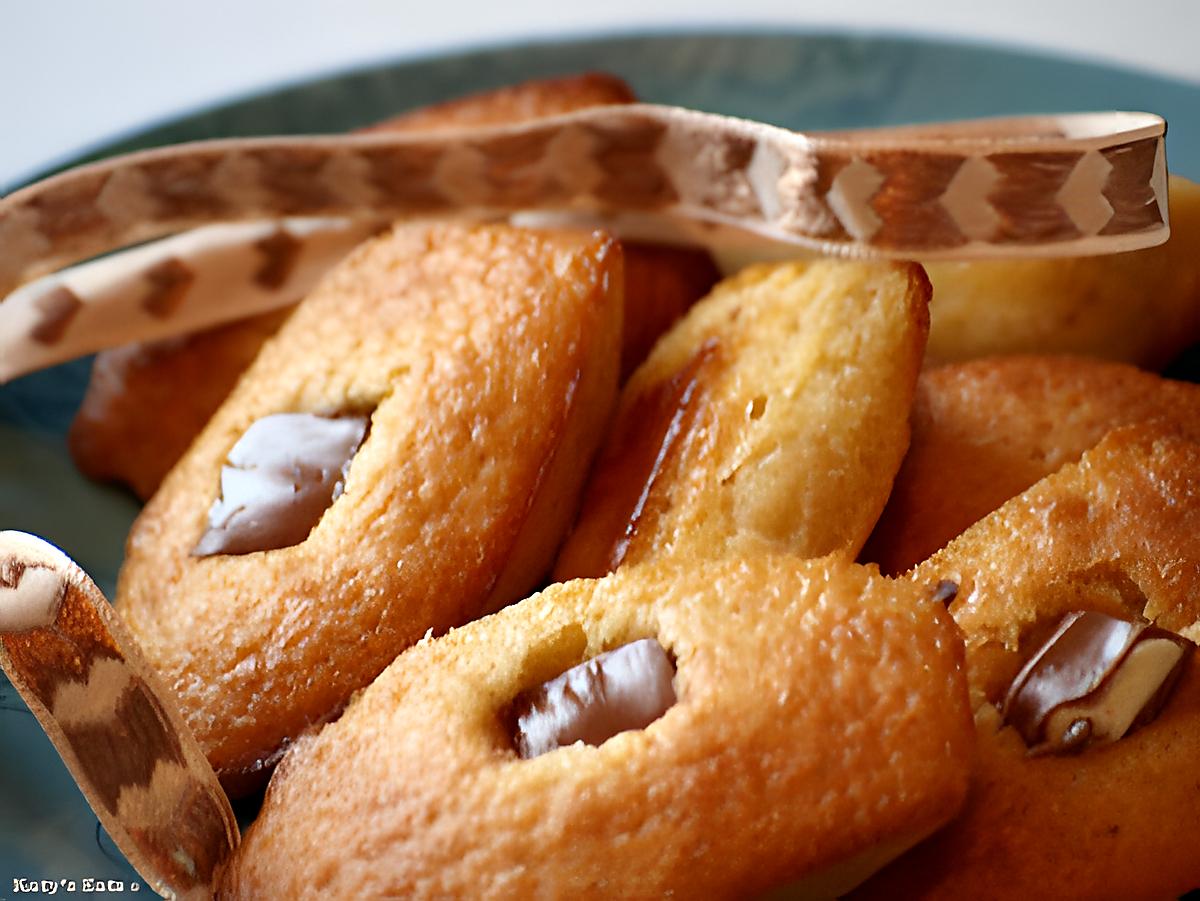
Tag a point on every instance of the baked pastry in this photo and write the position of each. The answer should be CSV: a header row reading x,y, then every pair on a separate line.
x,y
1141,307
145,403
1116,535
984,431
454,382
758,762
775,413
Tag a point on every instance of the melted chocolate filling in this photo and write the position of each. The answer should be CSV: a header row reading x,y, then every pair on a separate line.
x,y
279,480
1094,680
624,689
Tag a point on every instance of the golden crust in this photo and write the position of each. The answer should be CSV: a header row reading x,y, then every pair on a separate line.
x,y
482,352
984,431
804,375
1141,307
821,711
146,403
1119,532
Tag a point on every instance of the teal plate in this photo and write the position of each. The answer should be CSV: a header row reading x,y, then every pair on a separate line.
x,y
803,81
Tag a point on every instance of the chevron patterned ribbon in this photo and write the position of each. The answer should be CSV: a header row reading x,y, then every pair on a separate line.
x,y
1049,185
112,722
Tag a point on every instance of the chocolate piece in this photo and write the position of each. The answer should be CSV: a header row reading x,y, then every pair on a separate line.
x,y
1094,680
627,688
280,477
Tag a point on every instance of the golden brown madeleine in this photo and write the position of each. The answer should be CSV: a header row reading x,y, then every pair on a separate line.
x,y
1141,307
145,403
1117,533
775,412
486,359
984,431
820,724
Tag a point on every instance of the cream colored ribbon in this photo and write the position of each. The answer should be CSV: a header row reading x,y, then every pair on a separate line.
x,y
1076,184
111,720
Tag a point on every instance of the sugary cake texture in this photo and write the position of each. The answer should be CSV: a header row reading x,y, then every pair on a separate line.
x,y
775,413
1090,790
486,361
819,725
984,431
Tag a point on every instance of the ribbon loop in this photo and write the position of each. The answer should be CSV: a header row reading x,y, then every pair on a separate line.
x,y
1079,184
112,722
